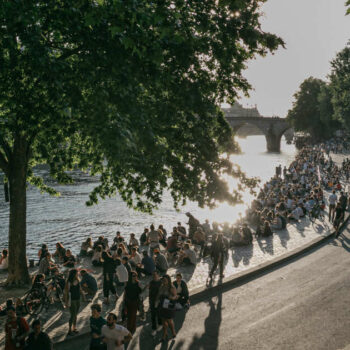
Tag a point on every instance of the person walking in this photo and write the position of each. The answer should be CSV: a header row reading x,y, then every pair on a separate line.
x,y
114,335
38,340
217,255
72,294
96,324
132,300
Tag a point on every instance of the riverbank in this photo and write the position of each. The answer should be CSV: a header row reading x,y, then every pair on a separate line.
x,y
240,259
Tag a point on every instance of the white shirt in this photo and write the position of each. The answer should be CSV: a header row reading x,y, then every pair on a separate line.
x,y
191,254
114,334
332,198
136,259
122,273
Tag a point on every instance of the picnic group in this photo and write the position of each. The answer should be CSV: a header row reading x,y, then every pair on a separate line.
x,y
311,185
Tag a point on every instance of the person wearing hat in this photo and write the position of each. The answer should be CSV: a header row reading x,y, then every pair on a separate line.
x,y
160,261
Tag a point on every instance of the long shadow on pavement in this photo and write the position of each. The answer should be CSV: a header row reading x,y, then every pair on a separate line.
x,y
210,338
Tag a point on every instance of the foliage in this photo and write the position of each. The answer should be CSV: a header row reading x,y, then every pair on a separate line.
x,y
340,85
312,110
128,90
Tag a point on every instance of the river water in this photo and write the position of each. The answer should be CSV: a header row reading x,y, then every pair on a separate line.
x,y
69,220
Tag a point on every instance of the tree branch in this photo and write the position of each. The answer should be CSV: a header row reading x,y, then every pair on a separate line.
x,y
6,148
4,164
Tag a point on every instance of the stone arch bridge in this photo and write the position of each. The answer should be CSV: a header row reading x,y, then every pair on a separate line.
x,y
272,127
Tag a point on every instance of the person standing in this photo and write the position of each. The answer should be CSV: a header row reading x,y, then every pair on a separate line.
x,y
154,286
166,299
108,277
115,336
182,291
38,340
73,293
96,324
332,199
217,254
16,330
132,300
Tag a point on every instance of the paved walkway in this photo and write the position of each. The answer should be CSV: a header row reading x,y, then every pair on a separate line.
x,y
55,320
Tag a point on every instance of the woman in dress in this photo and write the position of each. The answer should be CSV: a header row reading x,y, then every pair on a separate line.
x,y
166,301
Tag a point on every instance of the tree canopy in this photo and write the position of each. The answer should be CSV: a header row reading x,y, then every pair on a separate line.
x,y
340,85
312,109
128,90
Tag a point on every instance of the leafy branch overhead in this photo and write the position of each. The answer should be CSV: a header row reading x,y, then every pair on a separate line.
x,y
128,90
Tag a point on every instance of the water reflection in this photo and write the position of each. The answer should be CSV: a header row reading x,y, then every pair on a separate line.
x,y
67,219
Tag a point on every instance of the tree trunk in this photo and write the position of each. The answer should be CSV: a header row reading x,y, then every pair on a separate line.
x,y
18,269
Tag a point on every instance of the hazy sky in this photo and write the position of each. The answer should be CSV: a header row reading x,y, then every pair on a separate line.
x,y
314,31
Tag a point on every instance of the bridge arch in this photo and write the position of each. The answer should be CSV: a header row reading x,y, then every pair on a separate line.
x,y
273,128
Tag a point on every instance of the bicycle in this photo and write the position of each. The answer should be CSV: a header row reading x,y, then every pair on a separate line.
x,y
38,298
316,213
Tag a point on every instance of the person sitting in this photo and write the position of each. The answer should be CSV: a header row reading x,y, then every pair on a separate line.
x,y
135,257
133,242
160,261
97,256
60,252
42,252
4,260
88,284
100,242
182,291
295,214
86,248
247,235
147,265
267,229
187,256
69,260
46,264
118,238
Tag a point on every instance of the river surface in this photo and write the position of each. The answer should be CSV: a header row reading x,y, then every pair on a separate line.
x,y
67,219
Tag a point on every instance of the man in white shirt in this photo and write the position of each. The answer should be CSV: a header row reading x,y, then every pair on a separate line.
x,y
121,273
332,199
135,258
115,336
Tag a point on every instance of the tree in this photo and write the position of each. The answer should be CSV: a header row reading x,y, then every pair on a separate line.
x,y
312,109
126,89
340,86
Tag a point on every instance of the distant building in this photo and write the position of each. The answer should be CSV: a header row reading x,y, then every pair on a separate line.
x,y
238,111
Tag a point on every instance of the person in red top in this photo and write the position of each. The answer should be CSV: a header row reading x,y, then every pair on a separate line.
x,y
16,330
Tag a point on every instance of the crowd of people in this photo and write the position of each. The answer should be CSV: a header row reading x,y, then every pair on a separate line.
x,y
290,195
